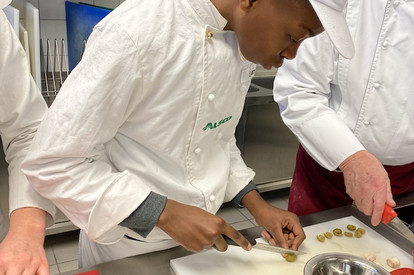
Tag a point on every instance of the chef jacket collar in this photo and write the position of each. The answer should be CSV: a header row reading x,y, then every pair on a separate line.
x,y
209,13
4,3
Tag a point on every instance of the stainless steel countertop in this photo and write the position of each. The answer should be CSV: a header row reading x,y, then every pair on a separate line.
x,y
158,263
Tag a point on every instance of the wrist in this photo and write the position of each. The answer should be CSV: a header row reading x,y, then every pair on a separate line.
x,y
351,158
163,218
28,219
254,202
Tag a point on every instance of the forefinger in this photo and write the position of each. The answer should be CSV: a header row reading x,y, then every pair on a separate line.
x,y
237,237
299,237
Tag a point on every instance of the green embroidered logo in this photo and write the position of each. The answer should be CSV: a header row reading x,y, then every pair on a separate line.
x,y
212,125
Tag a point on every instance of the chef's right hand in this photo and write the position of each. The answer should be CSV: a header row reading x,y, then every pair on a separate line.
x,y
22,251
196,229
367,183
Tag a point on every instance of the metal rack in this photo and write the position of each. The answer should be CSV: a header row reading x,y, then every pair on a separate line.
x,y
55,68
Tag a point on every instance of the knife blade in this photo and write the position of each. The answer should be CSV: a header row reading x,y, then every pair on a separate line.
x,y
389,217
263,246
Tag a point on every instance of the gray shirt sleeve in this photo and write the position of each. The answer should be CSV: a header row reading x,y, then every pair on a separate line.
x,y
236,201
146,216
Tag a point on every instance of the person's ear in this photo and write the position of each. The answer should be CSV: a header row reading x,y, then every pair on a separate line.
x,y
246,4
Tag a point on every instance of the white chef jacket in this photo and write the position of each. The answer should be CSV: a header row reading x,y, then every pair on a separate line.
x,y
21,110
336,106
152,106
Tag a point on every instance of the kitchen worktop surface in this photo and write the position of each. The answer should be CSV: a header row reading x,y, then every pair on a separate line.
x,y
159,262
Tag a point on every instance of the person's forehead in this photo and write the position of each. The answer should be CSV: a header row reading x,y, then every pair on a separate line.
x,y
293,7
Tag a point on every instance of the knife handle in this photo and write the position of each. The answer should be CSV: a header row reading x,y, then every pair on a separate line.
x,y
231,242
388,214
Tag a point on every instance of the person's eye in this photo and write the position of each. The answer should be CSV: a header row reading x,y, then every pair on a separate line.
x,y
293,40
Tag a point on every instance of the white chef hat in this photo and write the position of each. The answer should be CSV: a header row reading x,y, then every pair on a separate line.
x,y
332,16
4,3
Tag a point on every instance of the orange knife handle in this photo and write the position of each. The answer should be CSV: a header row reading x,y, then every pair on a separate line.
x,y
388,214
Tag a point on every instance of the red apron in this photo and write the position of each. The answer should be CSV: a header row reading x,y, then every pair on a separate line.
x,y
315,189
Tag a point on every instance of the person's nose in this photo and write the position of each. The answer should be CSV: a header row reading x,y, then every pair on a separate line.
x,y
291,51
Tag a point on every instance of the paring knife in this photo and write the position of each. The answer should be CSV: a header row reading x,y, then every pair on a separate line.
x,y
263,246
389,217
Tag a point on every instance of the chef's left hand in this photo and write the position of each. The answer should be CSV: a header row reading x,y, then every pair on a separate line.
x,y
282,228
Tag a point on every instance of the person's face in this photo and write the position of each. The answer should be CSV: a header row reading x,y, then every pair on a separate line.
x,y
271,30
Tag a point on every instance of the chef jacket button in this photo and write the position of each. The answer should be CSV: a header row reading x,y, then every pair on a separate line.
x,y
366,122
212,198
377,85
209,35
385,44
219,135
211,97
197,150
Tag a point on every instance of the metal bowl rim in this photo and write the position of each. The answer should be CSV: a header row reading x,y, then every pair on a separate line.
x,y
312,262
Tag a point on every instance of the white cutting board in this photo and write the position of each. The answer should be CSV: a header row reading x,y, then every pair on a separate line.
x,y
24,39
237,261
12,15
33,31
